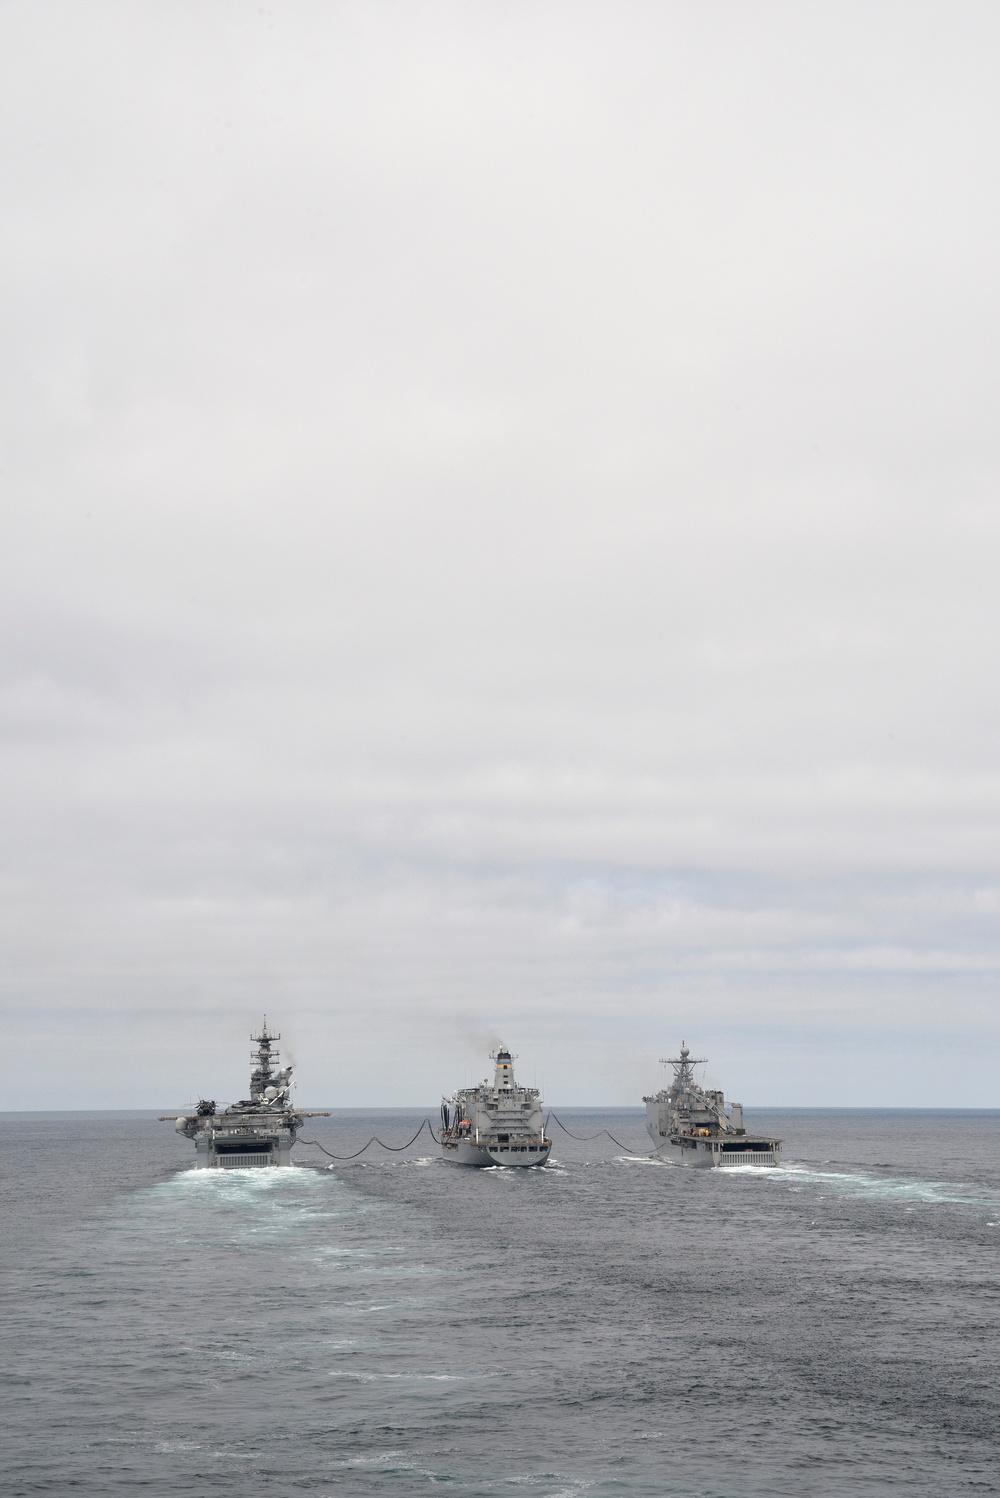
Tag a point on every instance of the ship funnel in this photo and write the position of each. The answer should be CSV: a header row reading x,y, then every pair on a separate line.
x,y
504,1074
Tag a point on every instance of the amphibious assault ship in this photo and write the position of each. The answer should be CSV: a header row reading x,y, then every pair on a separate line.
x,y
498,1125
258,1130
690,1125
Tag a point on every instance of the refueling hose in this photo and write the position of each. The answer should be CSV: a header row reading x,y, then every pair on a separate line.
x,y
395,1148
586,1138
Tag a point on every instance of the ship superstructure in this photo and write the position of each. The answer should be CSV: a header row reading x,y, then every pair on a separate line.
x,y
257,1131
500,1124
690,1126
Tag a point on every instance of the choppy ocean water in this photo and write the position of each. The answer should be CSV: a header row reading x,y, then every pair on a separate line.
x,y
606,1326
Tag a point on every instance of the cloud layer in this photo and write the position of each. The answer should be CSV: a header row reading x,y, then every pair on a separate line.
x,y
500,536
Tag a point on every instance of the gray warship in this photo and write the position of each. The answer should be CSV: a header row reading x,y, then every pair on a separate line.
x,y
257,1131
690,1126
498,1125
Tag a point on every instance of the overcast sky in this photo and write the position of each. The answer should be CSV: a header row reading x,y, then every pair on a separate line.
x,y
499,540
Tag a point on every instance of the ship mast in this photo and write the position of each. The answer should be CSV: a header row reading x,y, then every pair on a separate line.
x,y
260,1077
683,1066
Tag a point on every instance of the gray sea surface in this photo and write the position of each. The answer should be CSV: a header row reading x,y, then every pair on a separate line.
x,y
603,1326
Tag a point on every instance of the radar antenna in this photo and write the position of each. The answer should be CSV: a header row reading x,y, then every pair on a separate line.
x,y
683,1066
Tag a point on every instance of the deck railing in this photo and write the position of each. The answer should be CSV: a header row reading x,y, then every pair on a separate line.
x,y
744,1157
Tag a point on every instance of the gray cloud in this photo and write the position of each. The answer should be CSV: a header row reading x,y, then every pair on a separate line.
x,y
499,537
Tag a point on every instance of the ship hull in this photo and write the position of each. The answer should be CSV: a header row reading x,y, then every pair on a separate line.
x,y
512,1156
712,1154
243,1148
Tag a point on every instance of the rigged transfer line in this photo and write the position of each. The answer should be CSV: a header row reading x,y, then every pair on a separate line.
x,y
395,1148
586,1138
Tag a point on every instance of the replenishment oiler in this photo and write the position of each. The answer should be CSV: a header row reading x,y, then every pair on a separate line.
x,y
498,1125
690,1126
257,1131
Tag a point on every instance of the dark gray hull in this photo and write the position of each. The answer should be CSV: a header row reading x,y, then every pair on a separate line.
x,y
244,1147
513,1156
715,1154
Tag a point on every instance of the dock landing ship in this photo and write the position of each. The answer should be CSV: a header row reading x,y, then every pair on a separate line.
x,y
258,1130
690,1126
498,1125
